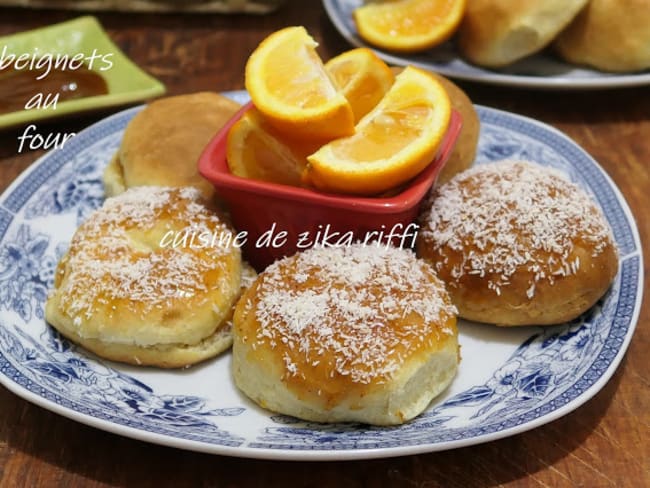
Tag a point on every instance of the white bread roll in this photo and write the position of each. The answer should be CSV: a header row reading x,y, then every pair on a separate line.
x,y
495,33
162,144
610,35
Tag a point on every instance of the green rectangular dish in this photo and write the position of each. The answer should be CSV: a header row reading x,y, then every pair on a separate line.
x,y
126,82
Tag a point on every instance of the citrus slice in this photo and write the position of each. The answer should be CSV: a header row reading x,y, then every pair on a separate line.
x,y
409,25
392,143
362,77
288,83
256,151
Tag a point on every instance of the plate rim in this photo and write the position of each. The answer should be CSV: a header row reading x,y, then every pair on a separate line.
x,y
299,454
611,81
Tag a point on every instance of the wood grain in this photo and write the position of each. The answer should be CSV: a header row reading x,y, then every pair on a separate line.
x,y
604,443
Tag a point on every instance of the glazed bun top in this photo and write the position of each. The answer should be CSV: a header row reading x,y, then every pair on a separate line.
x,y
120,281
346,316
503,217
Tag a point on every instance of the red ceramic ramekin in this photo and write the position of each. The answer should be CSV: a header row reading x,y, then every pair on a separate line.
x,y
279,220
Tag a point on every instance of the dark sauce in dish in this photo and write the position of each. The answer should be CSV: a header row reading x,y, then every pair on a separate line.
x,y
17,87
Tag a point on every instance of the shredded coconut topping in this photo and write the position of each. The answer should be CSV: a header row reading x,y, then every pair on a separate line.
x,y
117,255
355,312
509,216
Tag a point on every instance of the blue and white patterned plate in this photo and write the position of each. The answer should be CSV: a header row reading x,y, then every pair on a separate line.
x,y
509,380
542,71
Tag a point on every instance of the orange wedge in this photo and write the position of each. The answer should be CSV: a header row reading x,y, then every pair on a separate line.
x,y
409,25
362,77
289,85
392,144
255,150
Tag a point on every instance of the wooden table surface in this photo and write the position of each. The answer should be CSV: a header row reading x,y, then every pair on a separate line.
x,y
606,442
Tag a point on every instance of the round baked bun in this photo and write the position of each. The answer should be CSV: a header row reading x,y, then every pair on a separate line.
x,y
495,33
359,333
162,143
517,244
139,283
611,35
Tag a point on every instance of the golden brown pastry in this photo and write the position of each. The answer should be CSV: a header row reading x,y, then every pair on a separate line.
x,y
611,35
150,278
360,333
495,33
162,144
518,244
